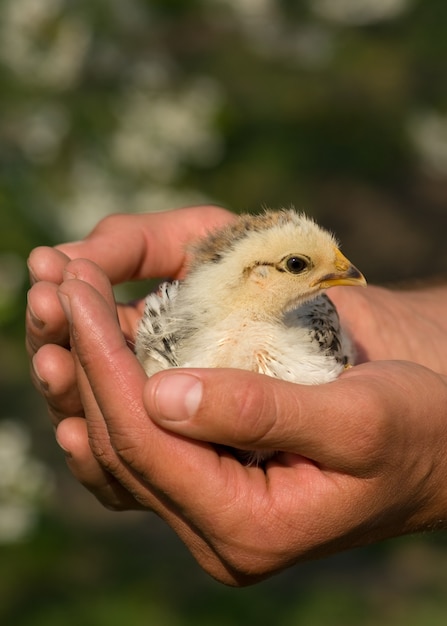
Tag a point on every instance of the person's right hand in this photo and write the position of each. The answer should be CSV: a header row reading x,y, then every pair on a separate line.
x,y
362,458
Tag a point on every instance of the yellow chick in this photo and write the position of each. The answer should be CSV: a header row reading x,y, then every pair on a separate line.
x,y
254,299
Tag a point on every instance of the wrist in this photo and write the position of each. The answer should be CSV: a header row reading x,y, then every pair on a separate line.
x,y
422,325
391,324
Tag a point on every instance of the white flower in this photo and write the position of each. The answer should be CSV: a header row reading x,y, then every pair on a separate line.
x,y
40,131
92,195
163,198
246,9
160,131
38,58
358,12
428,132
24,483
12,278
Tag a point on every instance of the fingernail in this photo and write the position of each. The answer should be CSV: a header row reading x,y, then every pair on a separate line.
x,y
178,396
37,322
32,277
69,275
43,383
35,319
66,452
65,304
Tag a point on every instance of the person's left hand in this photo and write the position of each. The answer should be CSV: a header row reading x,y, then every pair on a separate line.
x,y
126,247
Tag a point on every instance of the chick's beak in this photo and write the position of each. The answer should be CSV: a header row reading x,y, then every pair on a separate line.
x,y
344,274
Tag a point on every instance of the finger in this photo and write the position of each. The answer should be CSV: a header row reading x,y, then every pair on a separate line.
x,y
89,272
72,436
86,441
45,263
89,285
45,319
132,247
95,333
53,373
339,425
91,457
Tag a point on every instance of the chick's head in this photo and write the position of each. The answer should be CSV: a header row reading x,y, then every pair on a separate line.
x,y
268,264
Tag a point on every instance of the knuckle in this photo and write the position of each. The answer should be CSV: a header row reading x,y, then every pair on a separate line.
x,y
373,434
255,413
103,451
114,450
111,223
31,345
129,453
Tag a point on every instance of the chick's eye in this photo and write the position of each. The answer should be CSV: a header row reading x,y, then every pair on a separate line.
x,y
296,264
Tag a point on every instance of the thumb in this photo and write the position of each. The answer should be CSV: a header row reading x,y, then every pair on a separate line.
x,y
248,411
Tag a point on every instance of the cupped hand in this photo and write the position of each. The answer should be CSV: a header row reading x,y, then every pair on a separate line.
x,y
129,247
363,458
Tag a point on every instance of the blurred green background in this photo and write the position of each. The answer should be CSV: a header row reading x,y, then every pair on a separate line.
x,y
336,107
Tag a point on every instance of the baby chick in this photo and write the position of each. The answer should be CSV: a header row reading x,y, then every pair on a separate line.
x,y
253,299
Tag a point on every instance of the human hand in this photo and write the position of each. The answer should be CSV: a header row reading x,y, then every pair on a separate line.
x,y
111,472
408,324
363,458
126,247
